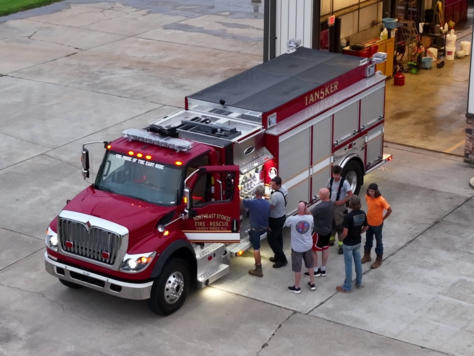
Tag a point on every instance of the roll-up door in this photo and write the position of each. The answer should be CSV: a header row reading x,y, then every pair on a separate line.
x,y
372,107
294,166
321,165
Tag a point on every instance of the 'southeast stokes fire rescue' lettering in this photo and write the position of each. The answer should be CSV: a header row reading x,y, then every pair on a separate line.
x,y
321,93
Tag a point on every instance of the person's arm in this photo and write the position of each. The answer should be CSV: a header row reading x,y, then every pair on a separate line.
x,y
387,207
344,233
348,194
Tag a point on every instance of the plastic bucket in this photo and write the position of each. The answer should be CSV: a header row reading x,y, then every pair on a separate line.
x,y
426,62
390,23
466,47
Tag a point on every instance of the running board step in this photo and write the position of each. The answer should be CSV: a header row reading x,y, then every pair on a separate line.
x,y
211,275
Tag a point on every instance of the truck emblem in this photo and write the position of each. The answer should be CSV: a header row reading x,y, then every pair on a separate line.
x,y
69,244
88,226
105,255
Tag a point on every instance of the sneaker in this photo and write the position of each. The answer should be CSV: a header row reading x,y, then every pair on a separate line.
x,y
294,289
340,251
312,286
316,273
322,273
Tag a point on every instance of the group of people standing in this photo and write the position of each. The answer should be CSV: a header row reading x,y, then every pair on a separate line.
x,y
313,231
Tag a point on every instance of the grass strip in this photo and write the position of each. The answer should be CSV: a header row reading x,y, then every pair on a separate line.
x,y
8,7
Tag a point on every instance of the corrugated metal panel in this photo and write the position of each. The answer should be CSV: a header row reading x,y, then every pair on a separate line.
x,y
294,21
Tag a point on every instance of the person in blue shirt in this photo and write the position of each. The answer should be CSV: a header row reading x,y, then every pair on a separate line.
x,y
259,211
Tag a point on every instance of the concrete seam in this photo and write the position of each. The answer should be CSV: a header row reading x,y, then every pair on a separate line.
x,y
78,139
424,148
436,222
21,259
81,89
384,336
266,343
18,232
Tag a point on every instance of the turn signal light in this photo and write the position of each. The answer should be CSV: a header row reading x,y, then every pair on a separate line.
x,y
148,156
166,233
131,153
178,163
185,200
139,155
109,147
240,253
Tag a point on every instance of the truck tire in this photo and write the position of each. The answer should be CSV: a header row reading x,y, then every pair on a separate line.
x,y
170,288
354,175
69,284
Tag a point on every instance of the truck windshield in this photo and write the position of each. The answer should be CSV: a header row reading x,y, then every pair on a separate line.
x,y
150,181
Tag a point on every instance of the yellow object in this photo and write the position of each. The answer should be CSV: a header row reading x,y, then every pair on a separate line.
x,y
387,46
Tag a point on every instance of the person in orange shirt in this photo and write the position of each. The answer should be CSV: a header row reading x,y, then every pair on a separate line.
x,y
377,211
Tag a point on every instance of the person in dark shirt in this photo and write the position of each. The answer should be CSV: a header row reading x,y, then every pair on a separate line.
x,y
259,211
355,223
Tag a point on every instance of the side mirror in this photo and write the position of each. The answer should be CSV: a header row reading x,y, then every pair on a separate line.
x,y
187,198
85,162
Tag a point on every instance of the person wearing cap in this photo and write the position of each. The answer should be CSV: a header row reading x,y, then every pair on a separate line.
x,y
377,211
355,223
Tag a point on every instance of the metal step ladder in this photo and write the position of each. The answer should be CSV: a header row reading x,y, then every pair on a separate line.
x,y
213,262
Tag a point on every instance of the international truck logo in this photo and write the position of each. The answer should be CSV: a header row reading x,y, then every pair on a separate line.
x,y
69,244
88,226
105,255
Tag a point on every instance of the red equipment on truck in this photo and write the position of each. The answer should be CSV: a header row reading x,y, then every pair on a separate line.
x,y
164,211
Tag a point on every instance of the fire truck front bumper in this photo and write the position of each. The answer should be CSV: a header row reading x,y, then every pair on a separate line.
x,y
126,290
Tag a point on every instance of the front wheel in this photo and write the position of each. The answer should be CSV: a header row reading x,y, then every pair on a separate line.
x,y
354,175
170,289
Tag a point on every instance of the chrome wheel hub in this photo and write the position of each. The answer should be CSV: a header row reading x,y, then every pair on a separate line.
x,y
174,287
351,178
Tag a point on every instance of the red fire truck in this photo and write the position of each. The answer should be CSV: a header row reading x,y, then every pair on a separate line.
x,y
164,215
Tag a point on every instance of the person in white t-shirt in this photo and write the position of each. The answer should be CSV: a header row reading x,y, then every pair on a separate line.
x,y
301,226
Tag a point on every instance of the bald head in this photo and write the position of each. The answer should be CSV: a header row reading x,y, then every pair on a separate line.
x,y
324,194
301,208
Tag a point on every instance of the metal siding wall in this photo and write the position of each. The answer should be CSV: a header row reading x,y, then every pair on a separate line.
x,y
367,15
294,155
308,23
372,106
294,21
325,7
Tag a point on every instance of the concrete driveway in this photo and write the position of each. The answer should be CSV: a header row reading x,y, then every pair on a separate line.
x,y
81,71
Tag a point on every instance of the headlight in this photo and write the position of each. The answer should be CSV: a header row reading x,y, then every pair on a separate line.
x,y
51,239
137,263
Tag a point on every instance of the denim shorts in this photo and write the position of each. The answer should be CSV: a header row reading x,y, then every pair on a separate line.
x,y
255,238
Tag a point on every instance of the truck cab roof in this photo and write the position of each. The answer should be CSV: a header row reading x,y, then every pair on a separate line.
x,y
159,154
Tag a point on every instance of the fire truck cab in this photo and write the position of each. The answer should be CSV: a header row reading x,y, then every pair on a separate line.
x,y
164,213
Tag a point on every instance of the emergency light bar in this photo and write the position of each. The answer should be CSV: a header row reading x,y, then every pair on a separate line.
x,y
149,137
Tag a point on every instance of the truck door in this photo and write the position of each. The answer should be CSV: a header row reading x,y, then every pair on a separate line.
x,y
213,202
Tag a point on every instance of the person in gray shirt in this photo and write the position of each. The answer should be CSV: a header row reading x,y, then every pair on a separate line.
x,y
323,219
276,221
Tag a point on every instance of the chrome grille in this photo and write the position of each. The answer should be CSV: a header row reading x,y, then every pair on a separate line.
x,y
88,241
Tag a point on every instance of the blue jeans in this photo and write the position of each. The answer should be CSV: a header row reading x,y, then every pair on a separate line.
x,y
349,253
369,238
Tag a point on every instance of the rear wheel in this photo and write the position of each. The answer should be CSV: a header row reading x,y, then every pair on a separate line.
x,y
170,288
354,175
69,284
